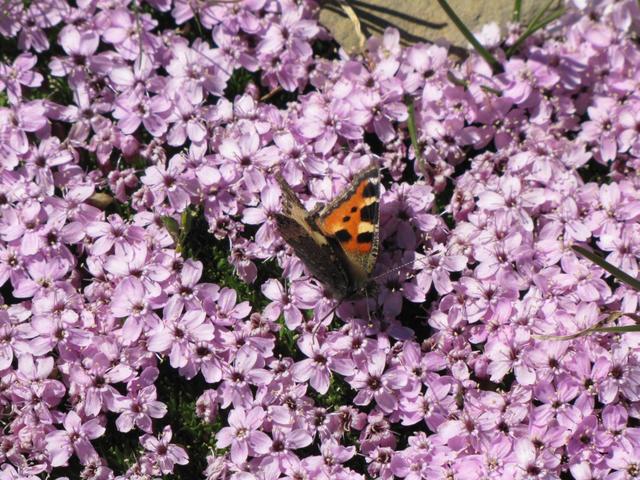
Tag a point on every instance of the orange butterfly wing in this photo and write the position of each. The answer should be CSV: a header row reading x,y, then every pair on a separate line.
x,y
353,220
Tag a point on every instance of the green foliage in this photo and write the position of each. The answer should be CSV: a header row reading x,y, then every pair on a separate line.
x,y
120,450
613,316
58,91
286,344
413,131
328,49
541,19
8,49
595,172
602,263
517,10
239,81
179,231
189,431
279,97
496,66
339,393
123,209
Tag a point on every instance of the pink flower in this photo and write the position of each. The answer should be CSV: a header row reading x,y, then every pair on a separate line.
x,y
292,32
284,441
192,71
179,334
163,453
188,122
325,121
137,262
95,377
243,434
246,370
321,360
629,136
129,33
438,264
138,409
19,73
618,375
135,108
506,351
130,300
166,182
589,286
372,381
75,438
113,232
24,225
80,47
624,246
26,117
43,275
247,154
329,463
289,303
509,197
530,461
601,130
139,76
623,459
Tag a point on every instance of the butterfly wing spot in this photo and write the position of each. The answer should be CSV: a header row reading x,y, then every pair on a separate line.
x,y
343,236
369,213
372,189
365,237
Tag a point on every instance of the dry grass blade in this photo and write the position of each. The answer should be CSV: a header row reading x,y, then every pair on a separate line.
x,y
350,12
598,329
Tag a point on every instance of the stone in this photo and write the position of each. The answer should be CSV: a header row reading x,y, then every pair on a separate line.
x,y
418,20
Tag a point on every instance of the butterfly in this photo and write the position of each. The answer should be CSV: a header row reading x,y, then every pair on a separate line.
x,y
338,242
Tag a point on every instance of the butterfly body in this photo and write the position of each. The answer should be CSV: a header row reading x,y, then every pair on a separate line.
x,y
337,242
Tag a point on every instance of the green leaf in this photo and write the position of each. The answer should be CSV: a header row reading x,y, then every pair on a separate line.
x,y
173,228
413,132
460,82
517,10
622,329
186,220
496,66
601,262
536,24
100,200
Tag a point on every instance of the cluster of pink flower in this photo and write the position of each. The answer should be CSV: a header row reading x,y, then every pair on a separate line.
x,y
96,301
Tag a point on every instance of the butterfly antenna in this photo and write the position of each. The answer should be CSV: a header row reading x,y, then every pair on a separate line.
x,y
400,267
366,295
396,268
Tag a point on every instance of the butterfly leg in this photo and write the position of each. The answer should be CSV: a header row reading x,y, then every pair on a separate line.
x,y
366,296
